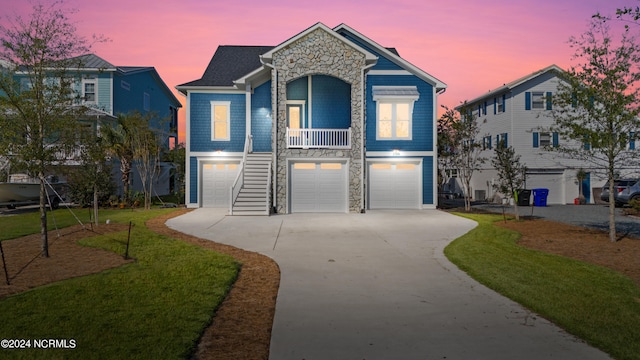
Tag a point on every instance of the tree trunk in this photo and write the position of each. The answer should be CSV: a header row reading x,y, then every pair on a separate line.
x,y
44,236
612,209
95,204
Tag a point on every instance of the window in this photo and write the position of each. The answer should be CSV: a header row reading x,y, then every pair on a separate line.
x,y
632,141
502,140
220,117
499,104
537,100
394,110
89,91
146,102
542,139
394,121
486,142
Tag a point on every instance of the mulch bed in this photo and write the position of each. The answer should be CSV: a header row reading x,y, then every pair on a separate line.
x,y
580,243
241,328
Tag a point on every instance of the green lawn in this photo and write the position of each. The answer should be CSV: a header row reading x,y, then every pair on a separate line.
x,y
594,303
155,308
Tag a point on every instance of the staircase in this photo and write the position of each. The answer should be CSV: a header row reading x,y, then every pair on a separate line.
x,y
253,197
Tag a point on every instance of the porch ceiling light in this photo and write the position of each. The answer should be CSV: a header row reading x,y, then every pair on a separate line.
x,y
396,152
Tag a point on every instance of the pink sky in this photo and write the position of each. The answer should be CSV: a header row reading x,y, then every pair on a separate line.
x,y
473,46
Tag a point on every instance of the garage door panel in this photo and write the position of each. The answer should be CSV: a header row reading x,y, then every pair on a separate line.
x,y
318,187
216,183
394,185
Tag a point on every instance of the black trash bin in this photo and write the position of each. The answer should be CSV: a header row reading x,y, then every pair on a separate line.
x,y
524,196
540,197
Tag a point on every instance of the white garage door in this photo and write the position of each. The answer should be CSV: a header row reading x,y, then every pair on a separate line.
x,y
318,187
217,179
553,182
394,185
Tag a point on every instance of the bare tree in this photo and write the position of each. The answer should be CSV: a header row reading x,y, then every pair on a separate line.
x,y
38,119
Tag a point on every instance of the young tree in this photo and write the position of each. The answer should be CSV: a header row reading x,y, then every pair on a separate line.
x,y
91,182
464,147
511,173
597,103
38,120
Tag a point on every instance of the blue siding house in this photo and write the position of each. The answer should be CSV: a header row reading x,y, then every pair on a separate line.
x,y
110,90
327,121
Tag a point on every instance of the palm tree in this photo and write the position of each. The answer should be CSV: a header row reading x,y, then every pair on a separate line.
x,y
120,140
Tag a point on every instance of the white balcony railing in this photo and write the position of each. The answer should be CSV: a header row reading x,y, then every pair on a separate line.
x,y
319,138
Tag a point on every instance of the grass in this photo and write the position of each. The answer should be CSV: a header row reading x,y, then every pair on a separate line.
x,y
155,308
594,303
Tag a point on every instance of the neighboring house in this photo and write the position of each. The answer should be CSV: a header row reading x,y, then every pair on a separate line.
x,y
110,90
327,121
518,113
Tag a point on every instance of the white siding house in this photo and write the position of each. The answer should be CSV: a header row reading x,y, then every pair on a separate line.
x,y
519,113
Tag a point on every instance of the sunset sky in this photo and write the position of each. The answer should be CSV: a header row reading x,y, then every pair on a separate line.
x,y
473,46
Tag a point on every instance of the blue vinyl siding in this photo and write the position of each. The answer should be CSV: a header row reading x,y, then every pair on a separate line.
x,y
261,118
383,62
423,115
331,105
427,180
193,180
200,109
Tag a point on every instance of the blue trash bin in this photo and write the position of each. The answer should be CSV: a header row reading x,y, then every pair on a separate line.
x,y
540,197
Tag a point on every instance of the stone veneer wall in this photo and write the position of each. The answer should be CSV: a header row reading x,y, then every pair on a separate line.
x,y
320,53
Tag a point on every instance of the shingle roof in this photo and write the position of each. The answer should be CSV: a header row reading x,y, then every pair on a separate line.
x,y
230,63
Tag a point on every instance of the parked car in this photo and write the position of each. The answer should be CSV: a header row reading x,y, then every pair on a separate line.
x,y
618,186
630,192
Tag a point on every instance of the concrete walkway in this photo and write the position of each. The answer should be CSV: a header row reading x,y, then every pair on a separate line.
x,y
377,286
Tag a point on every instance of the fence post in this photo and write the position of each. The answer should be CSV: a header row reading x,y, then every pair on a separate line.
x,y
126,252
4,265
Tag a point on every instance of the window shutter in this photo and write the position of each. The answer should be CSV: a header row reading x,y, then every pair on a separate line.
x,y
506,142
556,140
527,100
536,141
495,106
549,103
485,108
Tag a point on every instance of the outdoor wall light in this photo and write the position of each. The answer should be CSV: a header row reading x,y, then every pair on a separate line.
x,y
396,152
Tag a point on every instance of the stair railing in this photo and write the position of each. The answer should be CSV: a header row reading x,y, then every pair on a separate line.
x,y
268,190
239,181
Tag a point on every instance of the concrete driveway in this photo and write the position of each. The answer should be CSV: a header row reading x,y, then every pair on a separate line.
x,y
377,286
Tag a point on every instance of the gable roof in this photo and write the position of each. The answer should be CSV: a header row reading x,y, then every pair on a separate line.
x,y
508,86
392,54
369,57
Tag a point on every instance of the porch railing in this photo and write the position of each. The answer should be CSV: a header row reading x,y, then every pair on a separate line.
x,y
319,138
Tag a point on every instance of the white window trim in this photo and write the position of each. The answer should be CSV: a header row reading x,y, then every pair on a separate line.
x,y
95,91
228,106
395,96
